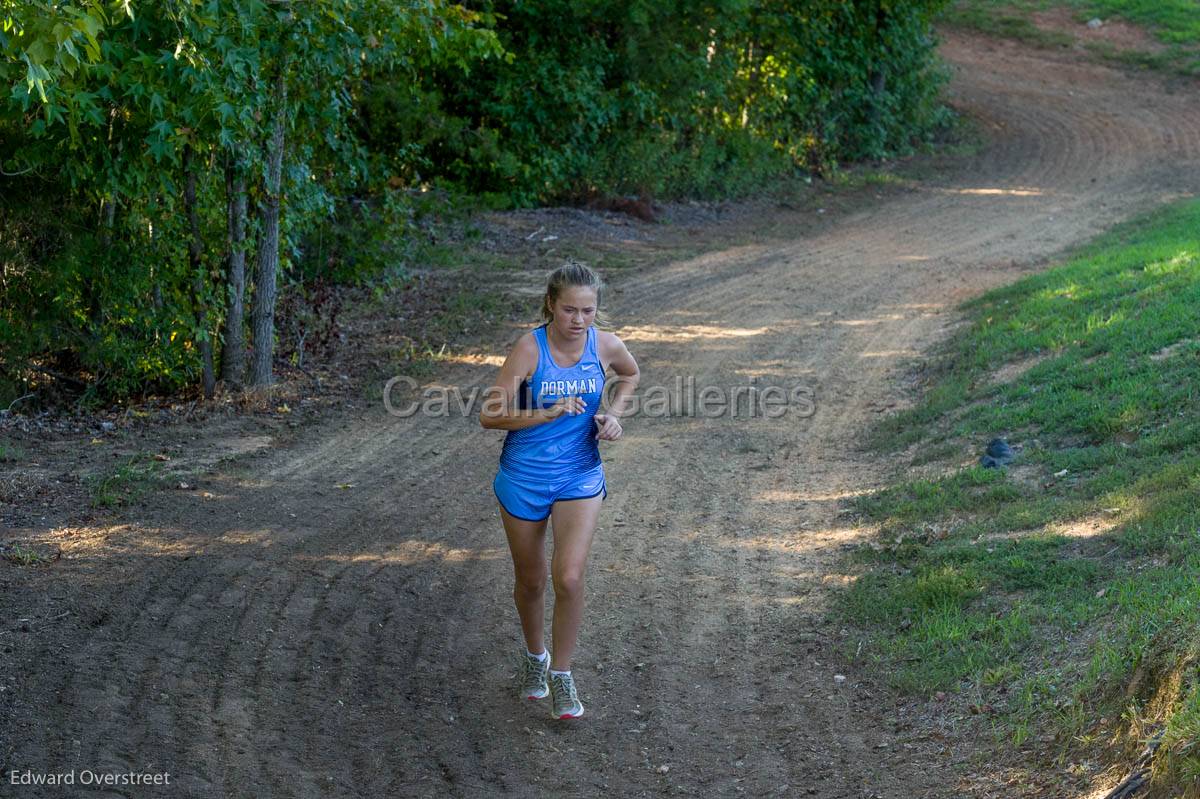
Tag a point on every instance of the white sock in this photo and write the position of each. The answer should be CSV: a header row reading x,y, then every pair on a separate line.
x,y
560,673
542,657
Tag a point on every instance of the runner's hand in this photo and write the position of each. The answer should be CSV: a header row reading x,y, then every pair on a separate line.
x,y
570,405
608,428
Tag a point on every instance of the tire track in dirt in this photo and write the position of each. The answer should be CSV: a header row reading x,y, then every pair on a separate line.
x,y
364,647
735,687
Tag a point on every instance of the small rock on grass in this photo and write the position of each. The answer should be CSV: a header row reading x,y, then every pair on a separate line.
x,y
998,453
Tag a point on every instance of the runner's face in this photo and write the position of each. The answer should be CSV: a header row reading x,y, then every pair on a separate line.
x,y
574,311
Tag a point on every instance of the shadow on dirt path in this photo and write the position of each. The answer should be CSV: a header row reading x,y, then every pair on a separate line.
x,y
286,637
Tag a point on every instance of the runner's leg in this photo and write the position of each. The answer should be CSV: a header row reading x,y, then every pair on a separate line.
x,y
527,543
574,523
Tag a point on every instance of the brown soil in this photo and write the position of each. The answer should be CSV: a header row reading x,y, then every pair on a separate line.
x,y
331,616
1117,32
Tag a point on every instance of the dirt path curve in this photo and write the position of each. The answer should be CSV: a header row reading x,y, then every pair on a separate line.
x,y
288,638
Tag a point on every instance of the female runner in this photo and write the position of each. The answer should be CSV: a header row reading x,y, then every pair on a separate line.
x,y
548,399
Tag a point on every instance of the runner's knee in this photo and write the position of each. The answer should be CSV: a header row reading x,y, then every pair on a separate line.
x,y
531,584
568,583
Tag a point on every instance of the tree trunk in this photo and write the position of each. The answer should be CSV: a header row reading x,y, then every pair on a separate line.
x,y
233,353
196,266
110,212
92,283
748,98
878,76
156,298
263,312
878,83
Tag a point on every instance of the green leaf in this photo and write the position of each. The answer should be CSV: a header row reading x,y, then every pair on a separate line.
x,y
39,52
36,76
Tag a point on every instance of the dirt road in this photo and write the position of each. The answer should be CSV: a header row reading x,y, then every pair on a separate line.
x,y
286,637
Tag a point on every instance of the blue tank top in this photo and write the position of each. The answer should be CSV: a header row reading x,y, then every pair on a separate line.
x,y
568,444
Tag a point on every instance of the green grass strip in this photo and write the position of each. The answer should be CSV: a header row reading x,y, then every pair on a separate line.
x,y
1053,587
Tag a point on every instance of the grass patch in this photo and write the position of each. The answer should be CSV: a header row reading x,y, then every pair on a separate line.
x,y
1009,20
460,314
20,555
1073,593
11,453
1175,24
1171,21
124,484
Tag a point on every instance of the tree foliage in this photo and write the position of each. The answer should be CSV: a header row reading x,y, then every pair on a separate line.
x,y
139,143
99,287
662,97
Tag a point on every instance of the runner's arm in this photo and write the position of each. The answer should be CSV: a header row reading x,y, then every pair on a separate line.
x,y
626,369
500,409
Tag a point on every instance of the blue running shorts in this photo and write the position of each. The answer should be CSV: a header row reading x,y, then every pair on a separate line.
x,y
532,500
